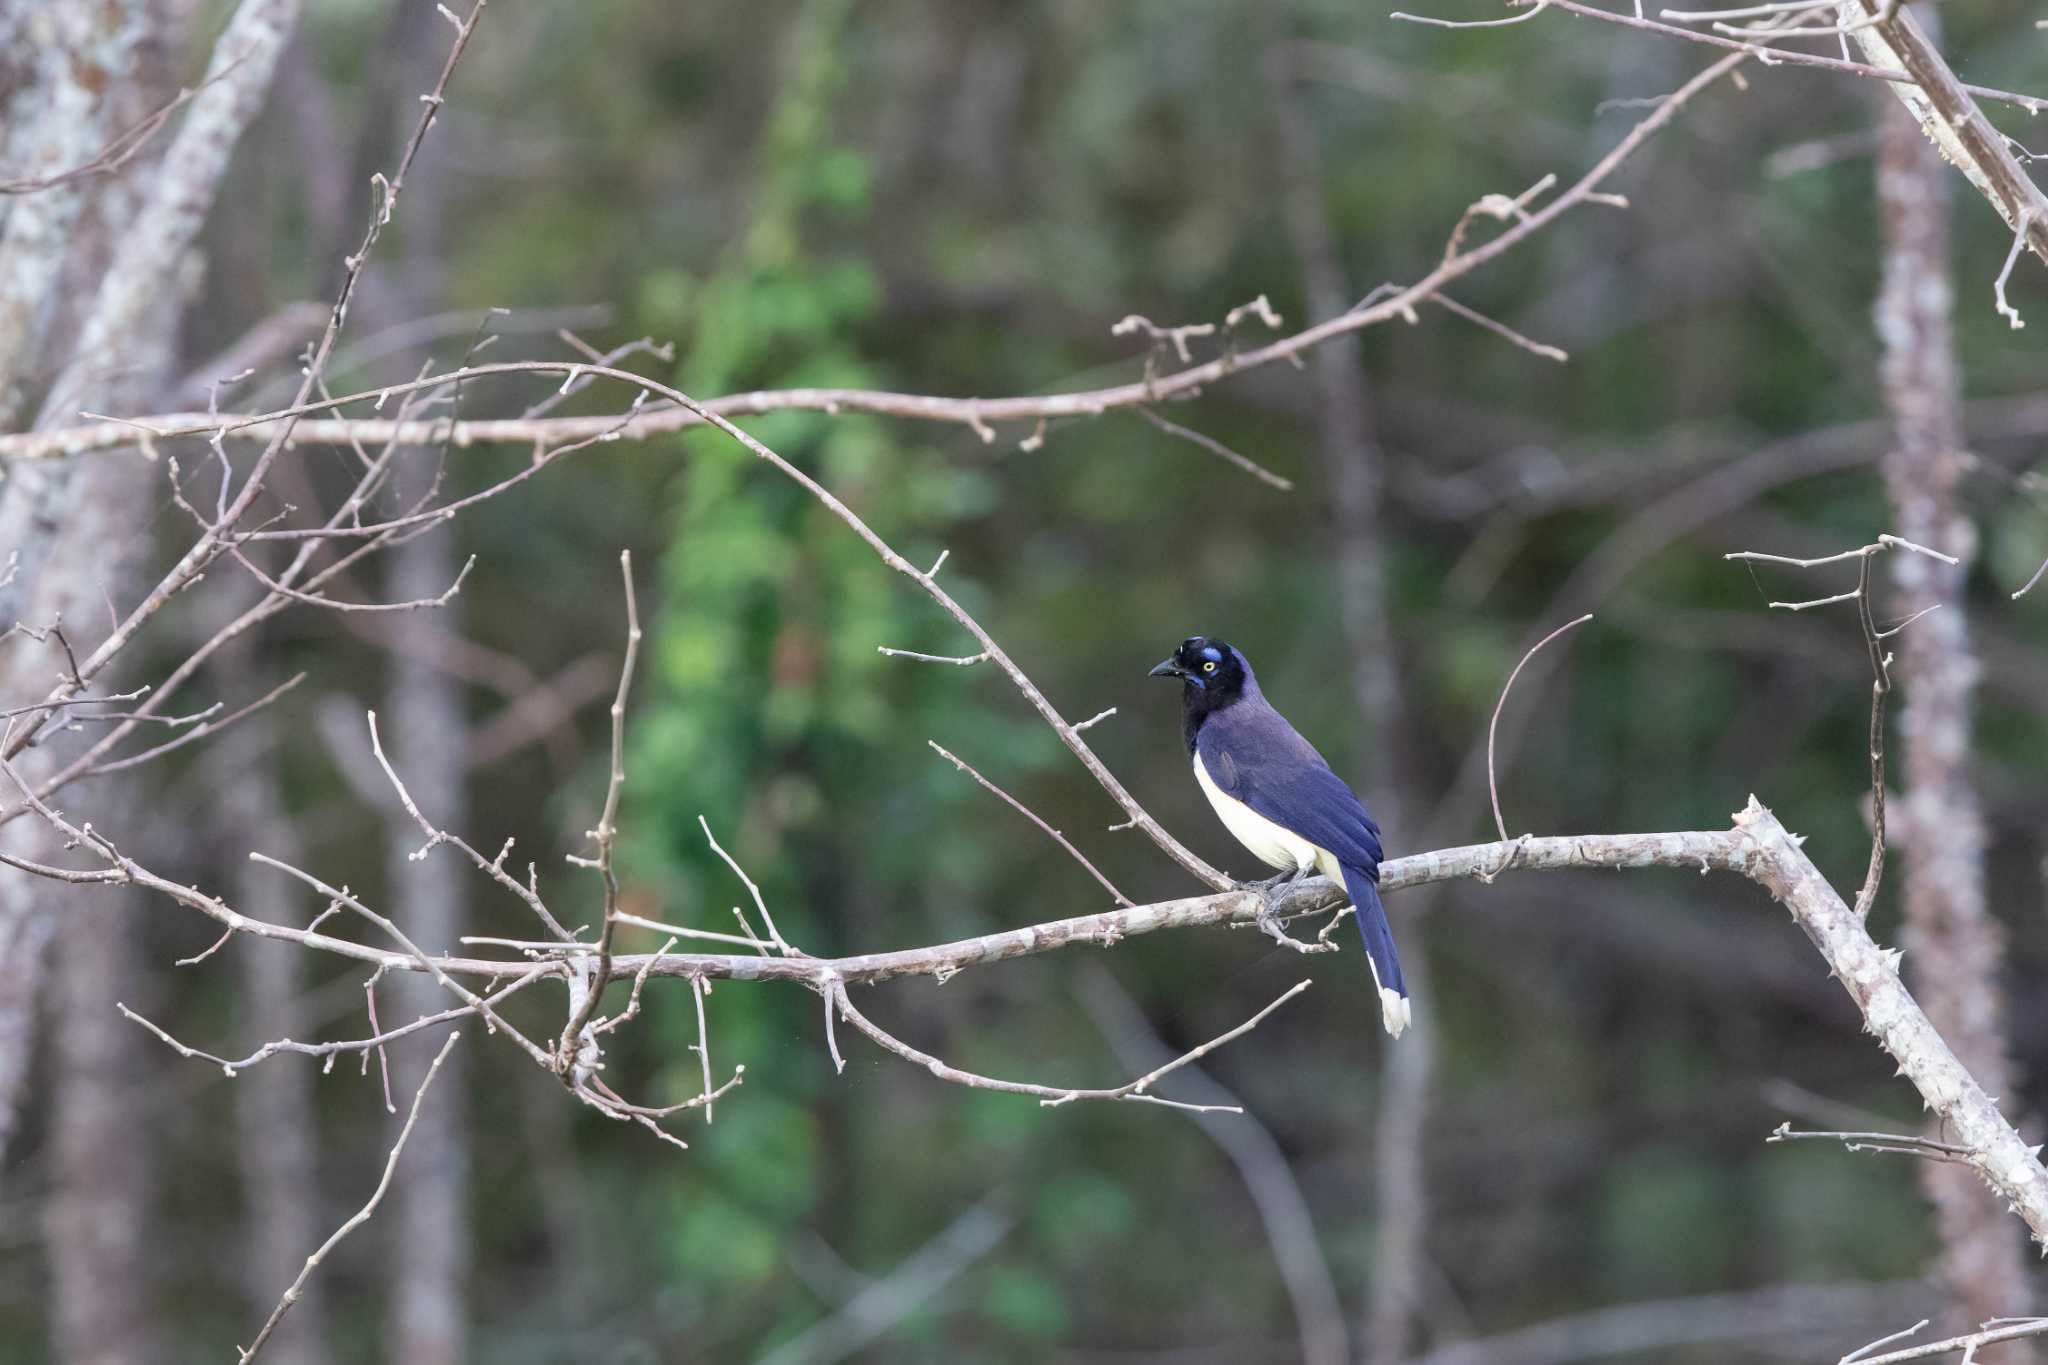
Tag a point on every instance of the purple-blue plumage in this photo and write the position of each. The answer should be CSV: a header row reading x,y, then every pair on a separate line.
x,y
1253,754
1250,755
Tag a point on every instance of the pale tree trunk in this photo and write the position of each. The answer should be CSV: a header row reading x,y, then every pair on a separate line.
x,y
1954,950
429,1236
103,1161
71,534
75,528
60,122
1355,468
120,245
102,1178
276,1127
430,1251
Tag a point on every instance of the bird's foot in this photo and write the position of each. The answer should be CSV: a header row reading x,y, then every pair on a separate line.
x,y
1269,922
1268,885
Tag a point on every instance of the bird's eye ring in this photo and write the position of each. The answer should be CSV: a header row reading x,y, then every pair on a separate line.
x,y
1209,667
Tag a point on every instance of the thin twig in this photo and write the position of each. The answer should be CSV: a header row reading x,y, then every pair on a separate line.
x,y
959,660
1493,726
1216,448
1880,687
1502,330
606,834
964,766
1135,1091
774,934
1903,1143
698,990
1968,1343
356,1220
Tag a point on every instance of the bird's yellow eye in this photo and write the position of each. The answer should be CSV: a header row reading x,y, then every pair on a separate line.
x,y
1209,667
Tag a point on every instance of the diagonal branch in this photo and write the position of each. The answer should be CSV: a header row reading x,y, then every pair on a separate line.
x,y
1892,40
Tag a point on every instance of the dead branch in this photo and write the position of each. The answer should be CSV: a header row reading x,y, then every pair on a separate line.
x,y
964,766
1137,1091
1905,1144
107,434
1993,1332
356,1220
605,837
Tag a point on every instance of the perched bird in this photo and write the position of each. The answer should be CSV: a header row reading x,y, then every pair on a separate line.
x,y
1276,794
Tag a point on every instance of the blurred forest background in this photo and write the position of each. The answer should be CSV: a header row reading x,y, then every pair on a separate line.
x,y
1565,1159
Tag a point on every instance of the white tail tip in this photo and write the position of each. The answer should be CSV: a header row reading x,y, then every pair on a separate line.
x,y
1394,1012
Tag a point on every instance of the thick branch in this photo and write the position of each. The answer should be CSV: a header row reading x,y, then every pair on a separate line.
x,y
1894,41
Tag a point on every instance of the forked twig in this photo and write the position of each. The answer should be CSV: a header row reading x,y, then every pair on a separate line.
x,y
356,1220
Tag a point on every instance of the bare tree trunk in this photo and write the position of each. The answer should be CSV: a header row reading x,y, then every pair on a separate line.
x,y
63,522
74,527
1356,469
429,1237
276,1129
63,124
430,728
103,1162
1953,947
102,1178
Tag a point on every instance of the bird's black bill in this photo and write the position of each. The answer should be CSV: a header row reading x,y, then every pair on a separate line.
x,y
1168,669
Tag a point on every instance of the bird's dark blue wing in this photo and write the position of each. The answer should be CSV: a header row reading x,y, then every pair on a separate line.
x,y
1253,754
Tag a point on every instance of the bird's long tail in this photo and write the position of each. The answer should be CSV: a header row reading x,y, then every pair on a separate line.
x,y
1364,889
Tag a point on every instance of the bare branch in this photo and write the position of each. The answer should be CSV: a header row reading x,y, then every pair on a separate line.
x,y
1774,56
1906,1144
1989,1335
605,836
1401,303
1053,1096
357,1219
1493,726
774,934
120,149
1033,817
1218,449
960,660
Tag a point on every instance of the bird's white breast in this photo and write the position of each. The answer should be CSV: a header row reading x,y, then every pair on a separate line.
x,y
1271,844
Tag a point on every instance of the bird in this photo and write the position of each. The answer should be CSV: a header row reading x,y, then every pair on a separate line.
x,y
1282,801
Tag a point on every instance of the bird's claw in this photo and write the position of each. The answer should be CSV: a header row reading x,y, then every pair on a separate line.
x,y
1267,885
1270,923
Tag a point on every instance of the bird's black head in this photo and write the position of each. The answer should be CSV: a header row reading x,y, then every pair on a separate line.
x,y
1213,673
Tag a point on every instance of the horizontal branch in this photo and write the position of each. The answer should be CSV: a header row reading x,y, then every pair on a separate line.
x,y
1701,851
1756,847
978,414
